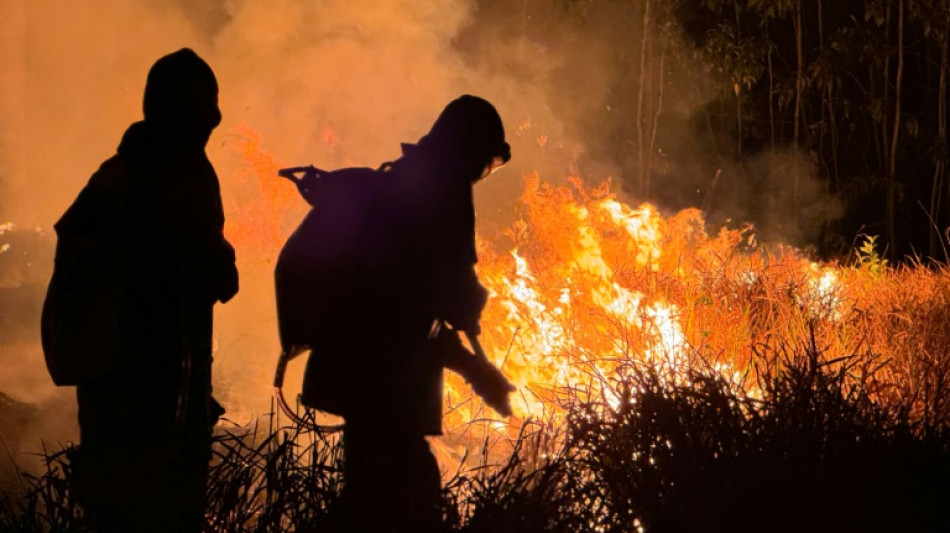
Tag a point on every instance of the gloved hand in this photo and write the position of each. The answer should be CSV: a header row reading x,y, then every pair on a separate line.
x,y
486,380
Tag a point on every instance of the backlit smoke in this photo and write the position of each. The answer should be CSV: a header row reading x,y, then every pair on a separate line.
x,y
333,83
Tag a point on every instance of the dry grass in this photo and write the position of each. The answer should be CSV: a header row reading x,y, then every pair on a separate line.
x,y
669,380
816,450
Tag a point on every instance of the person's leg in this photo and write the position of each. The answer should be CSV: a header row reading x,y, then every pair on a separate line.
x,y
420,484
122,456
391,480
135,471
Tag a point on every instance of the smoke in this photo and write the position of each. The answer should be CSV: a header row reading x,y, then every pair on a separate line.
x,y
780,191
333,83
342,84
72,78
330,83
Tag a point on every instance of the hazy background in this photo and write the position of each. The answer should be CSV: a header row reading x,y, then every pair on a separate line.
x,y
334,83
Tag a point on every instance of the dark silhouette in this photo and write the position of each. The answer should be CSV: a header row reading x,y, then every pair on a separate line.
x,y
384,259
141,260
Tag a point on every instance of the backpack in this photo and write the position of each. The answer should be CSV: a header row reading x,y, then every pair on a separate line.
x,y
80,318
337,255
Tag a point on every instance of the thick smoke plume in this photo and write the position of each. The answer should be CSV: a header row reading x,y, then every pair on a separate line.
x,y
334,83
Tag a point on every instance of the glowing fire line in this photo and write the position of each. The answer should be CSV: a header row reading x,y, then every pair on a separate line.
x,y
590,283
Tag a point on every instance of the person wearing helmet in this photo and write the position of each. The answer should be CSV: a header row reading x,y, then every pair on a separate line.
x,y
377,282
152,217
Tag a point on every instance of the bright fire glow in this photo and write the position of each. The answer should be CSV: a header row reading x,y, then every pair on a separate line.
x,y
584,284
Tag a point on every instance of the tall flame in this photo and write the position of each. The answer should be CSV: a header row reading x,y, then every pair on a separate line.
x,y
586,283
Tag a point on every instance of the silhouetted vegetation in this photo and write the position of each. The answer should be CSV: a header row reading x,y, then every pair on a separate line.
x,y
812,452
813,447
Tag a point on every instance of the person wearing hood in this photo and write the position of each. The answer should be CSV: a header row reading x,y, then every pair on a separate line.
x,y
144,243
377,282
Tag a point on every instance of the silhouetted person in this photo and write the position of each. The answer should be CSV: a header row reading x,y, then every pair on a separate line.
x,y
382,257
145,418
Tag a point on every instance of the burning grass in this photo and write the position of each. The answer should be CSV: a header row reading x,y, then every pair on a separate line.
x,y
589,283
583,282
815,450
669,380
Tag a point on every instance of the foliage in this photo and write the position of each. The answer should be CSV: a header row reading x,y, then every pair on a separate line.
x,y
868,258
812,451
770,76
286,481
47,504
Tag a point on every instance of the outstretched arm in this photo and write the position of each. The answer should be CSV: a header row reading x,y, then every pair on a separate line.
x,y
486,380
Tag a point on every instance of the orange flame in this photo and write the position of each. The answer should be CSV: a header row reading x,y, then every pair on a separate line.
x,y
259,225
590,283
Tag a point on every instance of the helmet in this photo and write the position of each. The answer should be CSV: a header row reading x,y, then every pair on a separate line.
x,y
471,126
